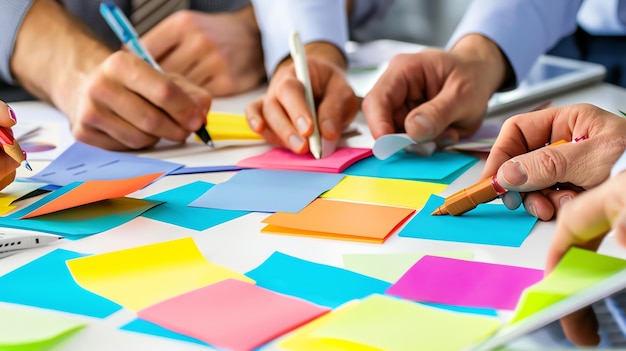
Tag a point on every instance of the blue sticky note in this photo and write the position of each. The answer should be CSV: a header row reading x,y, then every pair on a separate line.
x,y
81,162
268,190
47,283
441,167
83,220
489,224
174,209
204,169
463,309
145,327
318,283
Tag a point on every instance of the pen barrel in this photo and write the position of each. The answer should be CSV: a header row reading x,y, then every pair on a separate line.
x,y
467,199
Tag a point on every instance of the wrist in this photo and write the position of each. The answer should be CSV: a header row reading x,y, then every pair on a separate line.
x,y
495,67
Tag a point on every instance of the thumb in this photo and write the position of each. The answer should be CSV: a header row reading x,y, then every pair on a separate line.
x,y
542,168
430,119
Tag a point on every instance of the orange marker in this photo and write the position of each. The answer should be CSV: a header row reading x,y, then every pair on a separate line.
x,y
482,192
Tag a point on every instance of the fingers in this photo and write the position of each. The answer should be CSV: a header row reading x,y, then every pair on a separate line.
x,y
337,109
581,327
7,115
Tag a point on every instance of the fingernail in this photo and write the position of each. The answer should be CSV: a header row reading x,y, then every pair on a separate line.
x,y
425,126
565,199
302,124
513,173
254,124
12,114
512,200
295,142
530,208
328,127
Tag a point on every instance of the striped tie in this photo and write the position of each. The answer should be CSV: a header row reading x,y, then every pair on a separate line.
x,y
147,13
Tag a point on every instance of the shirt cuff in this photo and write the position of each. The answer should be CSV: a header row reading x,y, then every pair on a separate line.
x,y
314,20
12,14
619,166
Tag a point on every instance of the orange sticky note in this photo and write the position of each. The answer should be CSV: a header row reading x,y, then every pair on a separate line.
x,y
76,194
340,220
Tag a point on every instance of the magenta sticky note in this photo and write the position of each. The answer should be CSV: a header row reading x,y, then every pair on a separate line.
x,y
465,283
232,314
282,159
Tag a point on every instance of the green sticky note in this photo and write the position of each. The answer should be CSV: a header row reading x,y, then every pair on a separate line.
x,y
26,329
578,269
386,323
390,267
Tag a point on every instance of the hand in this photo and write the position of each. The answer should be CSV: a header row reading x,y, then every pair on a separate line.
x,y
436,95
583,223
7,164
282,116
219,52
523,165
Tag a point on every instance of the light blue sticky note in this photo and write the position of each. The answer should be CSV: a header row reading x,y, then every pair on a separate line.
x,y
268,190
81,162
145,327
462,309
80,221
441,167
489,224
174,209
318,283
47,283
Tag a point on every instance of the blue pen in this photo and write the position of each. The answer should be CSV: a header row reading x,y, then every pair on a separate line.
x,y
127,34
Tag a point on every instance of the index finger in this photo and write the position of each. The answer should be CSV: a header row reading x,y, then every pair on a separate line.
x,y
7,115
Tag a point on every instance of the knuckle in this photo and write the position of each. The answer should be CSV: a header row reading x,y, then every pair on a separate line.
x,y
552,164
166,91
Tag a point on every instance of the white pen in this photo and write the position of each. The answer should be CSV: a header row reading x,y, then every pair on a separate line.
x,y
302,72
12,242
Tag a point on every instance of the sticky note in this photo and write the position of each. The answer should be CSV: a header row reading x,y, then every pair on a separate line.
x,y
340,220
267,191
465,283
232,315
47,283
205,169
174,209
489,224
384,191
88,219
390,267
578,269
82,162
286,160
321,284
30,329
229,126
82,193
14,191
140,277
403,165
386,323
145,327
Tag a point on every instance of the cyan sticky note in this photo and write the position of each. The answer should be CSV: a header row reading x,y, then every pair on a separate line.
x,y
174,209
267,190
462,309
321,284
47,283
145,327
440,167
489,224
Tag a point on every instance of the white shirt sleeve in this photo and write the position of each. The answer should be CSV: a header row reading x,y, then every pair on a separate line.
x,y
619,166
523,29
315,20
12,13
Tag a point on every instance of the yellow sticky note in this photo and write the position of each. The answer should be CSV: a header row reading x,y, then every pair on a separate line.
x,y
13,192
30,329
229,126
577,270
384,191
140,277
386,323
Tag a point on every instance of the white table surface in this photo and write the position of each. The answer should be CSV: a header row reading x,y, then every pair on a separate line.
x,y
239,245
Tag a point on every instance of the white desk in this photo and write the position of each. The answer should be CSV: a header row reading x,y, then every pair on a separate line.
x,y
239,245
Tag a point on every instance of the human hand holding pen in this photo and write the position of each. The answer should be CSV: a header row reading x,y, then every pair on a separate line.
x,y
13,156
523,165
282,115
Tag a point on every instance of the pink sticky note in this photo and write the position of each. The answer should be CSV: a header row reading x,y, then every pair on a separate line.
x,y
282,159
465,283
232,314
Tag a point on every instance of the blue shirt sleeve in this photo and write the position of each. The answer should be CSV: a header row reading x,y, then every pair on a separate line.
x,y
315,20
523,29
12,13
